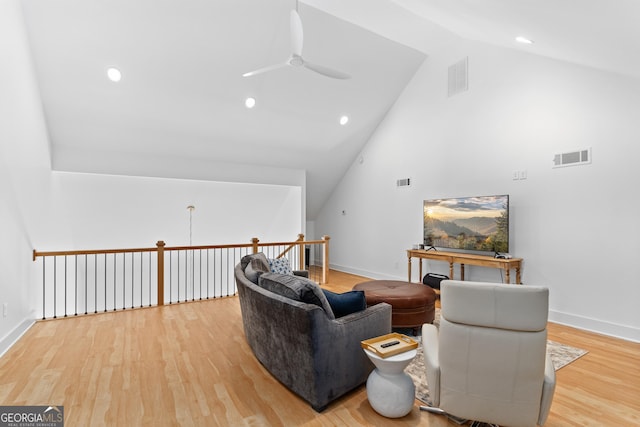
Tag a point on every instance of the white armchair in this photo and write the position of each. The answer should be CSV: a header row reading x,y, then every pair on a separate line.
x,y
487,361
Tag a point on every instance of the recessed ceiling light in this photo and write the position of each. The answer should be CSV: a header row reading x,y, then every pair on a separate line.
x,y
344,120
114,74
524,40
250,102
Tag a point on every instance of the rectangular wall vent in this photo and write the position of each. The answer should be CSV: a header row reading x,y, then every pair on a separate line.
x,y
572,158
405,182
459,77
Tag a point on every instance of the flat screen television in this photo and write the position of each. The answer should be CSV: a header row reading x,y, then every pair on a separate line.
x,y
468,223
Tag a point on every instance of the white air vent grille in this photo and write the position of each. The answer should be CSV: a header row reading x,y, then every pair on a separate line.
x,y
572,158
459,77
405,182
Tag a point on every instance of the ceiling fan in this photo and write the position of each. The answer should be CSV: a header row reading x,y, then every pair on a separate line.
x,y
296,59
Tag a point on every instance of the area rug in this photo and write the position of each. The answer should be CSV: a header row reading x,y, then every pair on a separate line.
x,y
561,355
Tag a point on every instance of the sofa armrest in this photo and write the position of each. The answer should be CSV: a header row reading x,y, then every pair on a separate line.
x,y
371,322
430,350
340,364
301,273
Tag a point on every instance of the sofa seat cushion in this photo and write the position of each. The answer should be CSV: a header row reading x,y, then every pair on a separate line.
x,y
296,288
346,303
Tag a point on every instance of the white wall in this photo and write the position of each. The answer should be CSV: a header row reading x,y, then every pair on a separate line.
x,y
57,211
110,211
24,174
95,211
575,227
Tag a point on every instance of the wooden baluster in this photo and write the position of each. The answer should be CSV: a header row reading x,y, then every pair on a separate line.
x,y
301,250
325,260
160,246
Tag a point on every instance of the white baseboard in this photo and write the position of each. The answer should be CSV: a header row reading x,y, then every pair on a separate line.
x,y
365,273
626,333
14,335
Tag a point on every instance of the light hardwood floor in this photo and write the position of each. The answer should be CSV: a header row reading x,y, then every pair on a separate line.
x,y
188,364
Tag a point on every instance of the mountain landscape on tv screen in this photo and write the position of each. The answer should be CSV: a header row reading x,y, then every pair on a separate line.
x,y
477,233
471,227
465,224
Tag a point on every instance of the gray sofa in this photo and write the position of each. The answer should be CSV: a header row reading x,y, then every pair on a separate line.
x,y
301,344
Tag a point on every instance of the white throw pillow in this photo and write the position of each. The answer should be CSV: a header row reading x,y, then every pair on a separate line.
x,y
280,266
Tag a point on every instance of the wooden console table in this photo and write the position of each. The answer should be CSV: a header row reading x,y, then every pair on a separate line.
x,y
469,259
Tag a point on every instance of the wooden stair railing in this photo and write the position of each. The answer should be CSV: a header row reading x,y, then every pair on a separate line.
x,y
114,279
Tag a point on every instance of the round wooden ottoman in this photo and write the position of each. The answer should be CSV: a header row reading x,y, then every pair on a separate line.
x,y
412,304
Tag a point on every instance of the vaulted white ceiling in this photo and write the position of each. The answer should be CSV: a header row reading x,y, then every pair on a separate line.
x,y
602,34
179,109
180,102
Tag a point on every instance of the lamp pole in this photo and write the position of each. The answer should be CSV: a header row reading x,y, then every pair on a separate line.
x,y
191,208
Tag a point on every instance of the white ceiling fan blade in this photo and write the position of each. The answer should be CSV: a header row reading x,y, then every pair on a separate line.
x,y
297,34
325,71
264,70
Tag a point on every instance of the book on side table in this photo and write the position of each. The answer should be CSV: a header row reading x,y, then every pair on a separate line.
x,y
389,345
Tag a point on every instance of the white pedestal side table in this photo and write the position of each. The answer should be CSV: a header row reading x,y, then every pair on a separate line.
x,y
390,390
